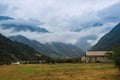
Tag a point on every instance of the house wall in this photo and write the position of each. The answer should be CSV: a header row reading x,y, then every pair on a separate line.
x,y
97,59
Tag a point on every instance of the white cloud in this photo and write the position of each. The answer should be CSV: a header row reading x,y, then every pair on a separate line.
x,y
65,37
58,14
111,14
7,32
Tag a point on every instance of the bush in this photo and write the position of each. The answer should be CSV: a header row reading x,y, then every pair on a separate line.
x,y
115,56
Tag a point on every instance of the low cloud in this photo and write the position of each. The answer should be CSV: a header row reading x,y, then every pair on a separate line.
x,y
59,15
65,37
32,22
69,21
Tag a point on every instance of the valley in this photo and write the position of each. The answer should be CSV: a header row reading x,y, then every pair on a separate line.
x,y
60,40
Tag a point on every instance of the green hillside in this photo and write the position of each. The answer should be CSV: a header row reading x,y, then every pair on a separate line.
x,y
11,51
109,41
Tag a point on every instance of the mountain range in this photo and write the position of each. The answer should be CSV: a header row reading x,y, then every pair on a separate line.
x,y
11,51
58,49
108,41
55,49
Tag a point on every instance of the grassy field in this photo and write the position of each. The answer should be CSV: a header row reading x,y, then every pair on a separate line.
x,y
82,71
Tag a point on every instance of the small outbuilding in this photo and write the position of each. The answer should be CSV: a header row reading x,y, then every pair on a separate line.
x,y
16,63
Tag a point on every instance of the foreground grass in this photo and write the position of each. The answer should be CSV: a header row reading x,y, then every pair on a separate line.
x,y
82,71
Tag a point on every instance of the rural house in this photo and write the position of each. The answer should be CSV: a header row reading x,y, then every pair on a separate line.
x,y
95,56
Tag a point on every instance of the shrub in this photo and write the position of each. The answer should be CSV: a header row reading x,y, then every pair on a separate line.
x,y
115,56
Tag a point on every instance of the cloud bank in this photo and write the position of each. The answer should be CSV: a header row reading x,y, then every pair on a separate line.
x,y
69,21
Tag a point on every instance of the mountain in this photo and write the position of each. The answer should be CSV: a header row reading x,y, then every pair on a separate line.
x,y
66,50
55,49
109,41
11,51
19,25
83,42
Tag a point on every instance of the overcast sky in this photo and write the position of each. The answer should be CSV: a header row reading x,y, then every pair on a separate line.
x,y
69,20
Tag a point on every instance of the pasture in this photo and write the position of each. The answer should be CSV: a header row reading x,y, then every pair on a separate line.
x,y
79,71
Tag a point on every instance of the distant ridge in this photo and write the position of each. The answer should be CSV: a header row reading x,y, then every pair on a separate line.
x,y
55,49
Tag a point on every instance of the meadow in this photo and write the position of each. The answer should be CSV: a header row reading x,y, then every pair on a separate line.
x,y
79,71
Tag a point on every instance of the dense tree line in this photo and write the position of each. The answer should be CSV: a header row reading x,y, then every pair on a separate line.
x,y
70,60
